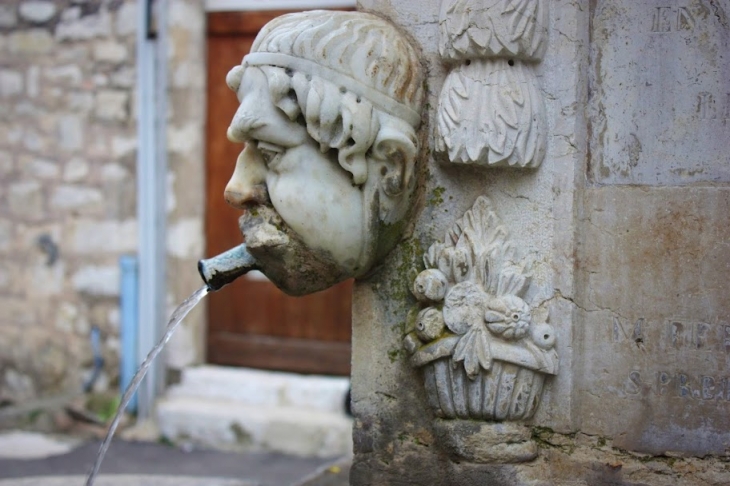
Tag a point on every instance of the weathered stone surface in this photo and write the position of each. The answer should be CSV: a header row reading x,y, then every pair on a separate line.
x,y
70,132
185,239
112,52
80,101
26,200
112,105
656,311
59,170
85,27
75,170
33,79
34,141
65,74
6,162
11,83
97,280
394,437
8,16
37,11
123,146
75,197
46,280
6,234
113,173
40,168
486,443
32,41
660,100
654,254
93,236
123,78
126,19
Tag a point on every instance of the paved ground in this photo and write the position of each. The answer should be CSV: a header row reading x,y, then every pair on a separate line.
x,y
151,464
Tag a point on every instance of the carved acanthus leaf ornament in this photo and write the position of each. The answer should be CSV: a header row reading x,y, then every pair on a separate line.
x,y
491,111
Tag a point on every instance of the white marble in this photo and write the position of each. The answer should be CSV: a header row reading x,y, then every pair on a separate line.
x,y
329,107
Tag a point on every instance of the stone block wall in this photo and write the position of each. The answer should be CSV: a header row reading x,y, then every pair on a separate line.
x,y
67,188
68,149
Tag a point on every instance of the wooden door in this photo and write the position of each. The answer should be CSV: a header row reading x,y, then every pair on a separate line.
x,y
251,322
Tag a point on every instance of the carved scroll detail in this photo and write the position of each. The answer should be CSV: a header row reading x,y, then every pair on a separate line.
x,y
483,356
491,111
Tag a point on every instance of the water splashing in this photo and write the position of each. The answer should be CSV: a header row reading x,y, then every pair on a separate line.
x,y
172,324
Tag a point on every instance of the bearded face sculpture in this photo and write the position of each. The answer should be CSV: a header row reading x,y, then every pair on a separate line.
x,y
330,104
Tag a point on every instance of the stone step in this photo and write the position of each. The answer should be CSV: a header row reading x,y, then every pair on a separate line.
x,y
254,410
231,425
263,388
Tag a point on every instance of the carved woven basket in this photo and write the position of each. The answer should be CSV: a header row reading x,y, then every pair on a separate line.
x,y
507,391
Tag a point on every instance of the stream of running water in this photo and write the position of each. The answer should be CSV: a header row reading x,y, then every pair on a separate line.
x,y
172,324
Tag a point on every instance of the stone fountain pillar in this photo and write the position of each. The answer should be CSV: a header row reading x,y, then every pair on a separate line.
x,y
532,197
558,296
462,342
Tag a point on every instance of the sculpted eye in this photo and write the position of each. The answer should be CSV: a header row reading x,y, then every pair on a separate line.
x,y
268,151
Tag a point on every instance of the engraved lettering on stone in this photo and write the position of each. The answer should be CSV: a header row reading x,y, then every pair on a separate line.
x,y
477,337
706,103
662,19
685,20
618,330
676,334
669,19
710,109
700,335
681,385
638,334
637,331
633,384
491,110
663,381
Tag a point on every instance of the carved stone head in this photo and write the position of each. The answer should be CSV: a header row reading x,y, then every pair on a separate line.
x,y
330,105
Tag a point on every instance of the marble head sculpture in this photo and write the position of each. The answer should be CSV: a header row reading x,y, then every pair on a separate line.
x,y
330,105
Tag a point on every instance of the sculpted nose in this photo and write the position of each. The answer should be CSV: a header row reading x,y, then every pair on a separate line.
x,y
248,182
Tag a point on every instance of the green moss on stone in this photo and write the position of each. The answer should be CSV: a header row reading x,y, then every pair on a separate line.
x,y
436,196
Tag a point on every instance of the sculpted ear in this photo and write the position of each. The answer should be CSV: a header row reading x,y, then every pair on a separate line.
x,y
397,147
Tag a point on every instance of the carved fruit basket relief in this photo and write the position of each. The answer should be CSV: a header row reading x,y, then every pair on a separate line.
x,y
483,356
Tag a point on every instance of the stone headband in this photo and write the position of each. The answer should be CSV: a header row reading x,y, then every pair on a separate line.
x,y
382,101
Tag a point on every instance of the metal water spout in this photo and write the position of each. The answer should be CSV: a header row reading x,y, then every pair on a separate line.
x,y
226,267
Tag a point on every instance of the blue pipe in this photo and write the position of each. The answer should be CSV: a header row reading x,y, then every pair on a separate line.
x,y
128,318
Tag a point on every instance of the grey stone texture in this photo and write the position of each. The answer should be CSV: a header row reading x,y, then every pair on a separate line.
x,y
61,227
653,308
67,164
37,12
626,221
186,152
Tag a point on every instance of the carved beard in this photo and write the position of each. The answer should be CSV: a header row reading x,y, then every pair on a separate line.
x,y
283,257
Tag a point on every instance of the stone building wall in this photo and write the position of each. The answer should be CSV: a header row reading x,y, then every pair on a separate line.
x,y
67,184
67,187
186,172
